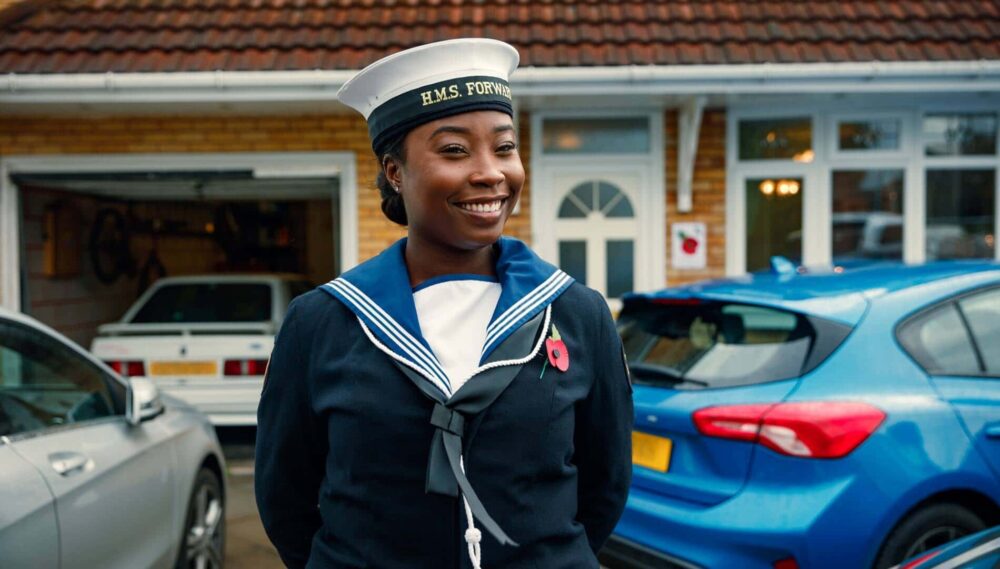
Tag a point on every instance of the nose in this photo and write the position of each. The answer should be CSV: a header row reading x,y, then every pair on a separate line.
x,y
487,172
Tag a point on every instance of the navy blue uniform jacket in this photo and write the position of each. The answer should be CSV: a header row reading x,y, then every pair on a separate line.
x,y
344,435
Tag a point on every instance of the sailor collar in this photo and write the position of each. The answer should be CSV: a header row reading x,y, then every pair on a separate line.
x,y
378,292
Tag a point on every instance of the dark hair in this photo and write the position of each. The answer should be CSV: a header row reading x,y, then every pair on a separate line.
x,y
392,201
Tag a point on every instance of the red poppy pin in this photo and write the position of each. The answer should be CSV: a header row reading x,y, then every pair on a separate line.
x,y
556,348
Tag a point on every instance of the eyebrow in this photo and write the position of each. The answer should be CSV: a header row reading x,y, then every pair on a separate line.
x,y
463,130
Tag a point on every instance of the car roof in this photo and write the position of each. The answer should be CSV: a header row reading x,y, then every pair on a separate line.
x,y
839,294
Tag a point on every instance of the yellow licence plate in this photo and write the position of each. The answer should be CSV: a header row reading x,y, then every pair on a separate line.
x,y
183,368
651,451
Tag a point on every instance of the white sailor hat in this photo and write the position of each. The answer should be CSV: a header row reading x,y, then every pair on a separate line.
x,y
432,81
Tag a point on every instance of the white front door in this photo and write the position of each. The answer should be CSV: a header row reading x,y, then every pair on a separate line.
x,y
596,227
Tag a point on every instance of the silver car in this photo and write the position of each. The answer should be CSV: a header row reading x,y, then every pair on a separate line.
x,y
96,471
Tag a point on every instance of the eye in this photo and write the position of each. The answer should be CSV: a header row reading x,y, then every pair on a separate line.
x,y
506,147
452,149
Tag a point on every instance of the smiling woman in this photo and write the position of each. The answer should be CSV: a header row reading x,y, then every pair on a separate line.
x,y
409,403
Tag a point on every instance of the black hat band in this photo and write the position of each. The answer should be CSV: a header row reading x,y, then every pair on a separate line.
x,y
438,100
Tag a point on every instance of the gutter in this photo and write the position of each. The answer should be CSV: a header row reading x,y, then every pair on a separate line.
x,y
319,85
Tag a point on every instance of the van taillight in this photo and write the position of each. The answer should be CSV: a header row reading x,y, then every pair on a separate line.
x,y
244,367
126,368
819,429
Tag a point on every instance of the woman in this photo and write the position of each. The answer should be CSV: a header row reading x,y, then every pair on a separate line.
x,y
455,401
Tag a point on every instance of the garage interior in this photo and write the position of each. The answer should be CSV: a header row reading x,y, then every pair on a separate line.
x,y
92,242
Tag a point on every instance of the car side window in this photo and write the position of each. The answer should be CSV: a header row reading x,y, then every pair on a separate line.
x,y
982,312
43,383
940,342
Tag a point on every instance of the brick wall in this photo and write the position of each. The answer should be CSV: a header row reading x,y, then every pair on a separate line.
x,y
708,193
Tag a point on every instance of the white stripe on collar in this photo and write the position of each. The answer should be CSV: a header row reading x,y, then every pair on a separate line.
x,y
418,355
524,308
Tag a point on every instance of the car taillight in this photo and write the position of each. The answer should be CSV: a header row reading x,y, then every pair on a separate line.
x,y
786,563
820,429
921,559
127,368
244,367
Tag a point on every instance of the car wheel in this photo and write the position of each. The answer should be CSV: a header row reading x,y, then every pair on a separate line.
x,y
203,540
926,529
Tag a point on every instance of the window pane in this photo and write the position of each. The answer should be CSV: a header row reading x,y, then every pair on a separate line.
x,y
940,344
626,135
961,210
867,215
869,135
960,134
569,210
774,220
573,259
713,344
43,383
776,139
982,312
208,303
621,265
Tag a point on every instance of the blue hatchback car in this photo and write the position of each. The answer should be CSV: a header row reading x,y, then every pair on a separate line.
x,y
840,420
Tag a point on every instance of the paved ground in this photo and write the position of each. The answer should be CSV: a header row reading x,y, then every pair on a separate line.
x,y
247,546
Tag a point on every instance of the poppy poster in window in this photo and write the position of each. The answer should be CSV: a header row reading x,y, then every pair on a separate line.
x,y
688,243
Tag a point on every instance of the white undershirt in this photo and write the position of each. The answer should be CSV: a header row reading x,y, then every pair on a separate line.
x,y
453,317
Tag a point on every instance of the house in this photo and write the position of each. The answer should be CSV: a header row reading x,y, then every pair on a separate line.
x,y
664,141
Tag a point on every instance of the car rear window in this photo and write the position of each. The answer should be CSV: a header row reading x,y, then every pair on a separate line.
x,y
207,302
691,344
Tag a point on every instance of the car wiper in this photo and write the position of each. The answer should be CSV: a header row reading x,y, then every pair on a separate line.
x,y
648,374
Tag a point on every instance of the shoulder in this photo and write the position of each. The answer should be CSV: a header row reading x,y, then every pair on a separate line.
x,y
579,298
316,309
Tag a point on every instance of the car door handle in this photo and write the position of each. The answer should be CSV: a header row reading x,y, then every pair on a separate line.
x,y
993,431
70,463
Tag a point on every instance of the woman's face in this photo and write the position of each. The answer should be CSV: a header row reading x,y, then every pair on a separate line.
x,y
460,179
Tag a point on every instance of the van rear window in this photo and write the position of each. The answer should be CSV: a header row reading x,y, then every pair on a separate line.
x,y
207,302
697,345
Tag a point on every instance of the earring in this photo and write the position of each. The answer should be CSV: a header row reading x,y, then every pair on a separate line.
x,y
395,187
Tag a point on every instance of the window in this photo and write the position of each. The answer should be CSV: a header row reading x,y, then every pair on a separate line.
x,y
596,237
961,209
207,302
960,134
773,220
625,135
940,343
776,139
982,312
867,215
868,135
716,344
43,383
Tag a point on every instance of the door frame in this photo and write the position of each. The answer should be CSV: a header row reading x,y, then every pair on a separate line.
x,y
650,204
272,164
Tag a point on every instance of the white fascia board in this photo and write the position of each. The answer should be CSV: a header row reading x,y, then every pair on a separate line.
x,y
276,86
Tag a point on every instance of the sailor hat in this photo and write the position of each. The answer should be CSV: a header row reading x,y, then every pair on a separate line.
x,y
429,82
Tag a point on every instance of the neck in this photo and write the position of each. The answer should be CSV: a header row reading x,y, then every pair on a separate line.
x,y
425,260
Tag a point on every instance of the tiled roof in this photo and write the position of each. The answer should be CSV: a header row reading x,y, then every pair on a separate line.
x,y
88,36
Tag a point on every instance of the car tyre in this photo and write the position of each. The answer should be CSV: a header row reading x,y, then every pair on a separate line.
x,y
203,542
926,529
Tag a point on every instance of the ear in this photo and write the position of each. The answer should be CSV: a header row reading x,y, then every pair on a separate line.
x,y
393,171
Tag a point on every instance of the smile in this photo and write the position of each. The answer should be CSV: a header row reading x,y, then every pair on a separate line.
x,y
485,207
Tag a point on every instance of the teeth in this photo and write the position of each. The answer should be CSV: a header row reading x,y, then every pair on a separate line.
x,y
489,207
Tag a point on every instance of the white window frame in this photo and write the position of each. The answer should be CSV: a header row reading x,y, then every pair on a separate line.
x,y
818,175
649,205
816,229
341,164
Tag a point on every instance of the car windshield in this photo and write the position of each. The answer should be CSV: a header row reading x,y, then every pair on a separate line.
x,y
692,344
207,302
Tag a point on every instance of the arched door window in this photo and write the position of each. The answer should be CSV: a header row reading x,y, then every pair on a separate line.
x,y
596,231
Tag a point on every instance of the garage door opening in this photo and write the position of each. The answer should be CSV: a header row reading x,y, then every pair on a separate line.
x,y
92,242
